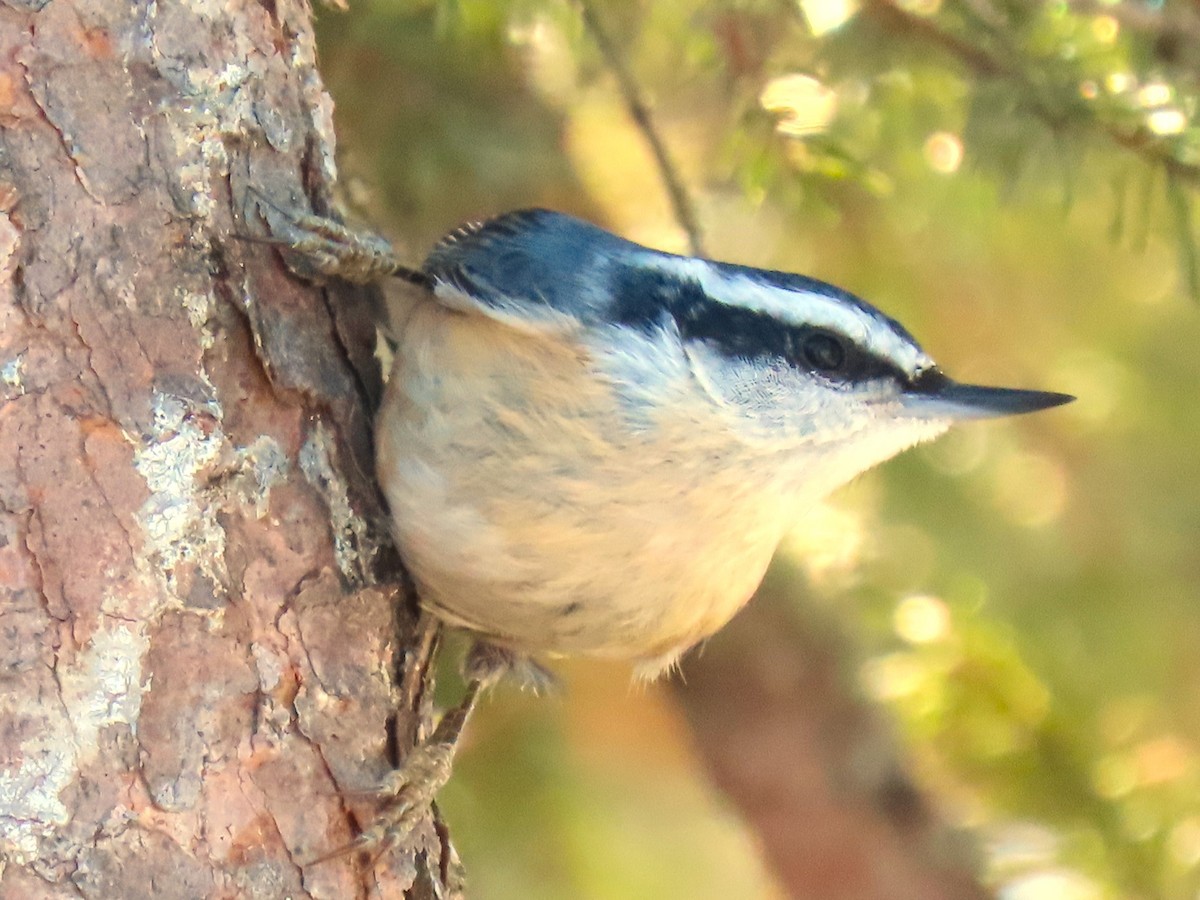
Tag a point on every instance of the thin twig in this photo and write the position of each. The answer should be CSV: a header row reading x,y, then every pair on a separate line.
x,y
635,102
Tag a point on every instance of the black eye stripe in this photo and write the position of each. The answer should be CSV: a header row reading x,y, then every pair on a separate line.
x,y
645,297
751,335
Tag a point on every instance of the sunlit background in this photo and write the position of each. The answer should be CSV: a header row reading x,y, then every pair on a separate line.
x,y
1012,180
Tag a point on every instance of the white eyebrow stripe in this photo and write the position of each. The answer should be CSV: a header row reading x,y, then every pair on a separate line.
x,y
797,307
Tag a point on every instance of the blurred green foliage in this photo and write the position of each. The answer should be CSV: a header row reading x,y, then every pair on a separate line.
x,y
1015,181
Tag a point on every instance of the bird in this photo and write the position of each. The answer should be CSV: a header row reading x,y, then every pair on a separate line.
x,y
589,447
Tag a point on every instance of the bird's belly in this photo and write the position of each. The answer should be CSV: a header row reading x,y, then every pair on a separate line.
x,y
526,514
615,585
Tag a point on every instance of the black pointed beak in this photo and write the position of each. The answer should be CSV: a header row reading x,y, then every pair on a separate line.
x,y
932,395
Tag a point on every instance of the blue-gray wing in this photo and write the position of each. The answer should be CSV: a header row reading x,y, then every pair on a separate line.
x,y
533,269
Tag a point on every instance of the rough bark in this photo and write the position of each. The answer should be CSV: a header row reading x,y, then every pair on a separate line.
x,y
813,767
196,652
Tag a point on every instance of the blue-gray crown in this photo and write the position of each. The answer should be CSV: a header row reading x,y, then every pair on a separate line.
x,y
547,262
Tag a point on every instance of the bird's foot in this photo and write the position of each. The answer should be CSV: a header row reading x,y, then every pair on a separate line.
x,y
487,663
319,247
410,790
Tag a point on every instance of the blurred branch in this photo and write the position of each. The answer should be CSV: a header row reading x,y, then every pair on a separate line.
x,y
986,64
814,767
897,20
639,110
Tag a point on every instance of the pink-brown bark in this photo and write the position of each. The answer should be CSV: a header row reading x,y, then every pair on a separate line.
x,y
195,655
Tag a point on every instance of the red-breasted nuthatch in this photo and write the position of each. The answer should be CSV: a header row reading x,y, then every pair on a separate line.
x,y
591,447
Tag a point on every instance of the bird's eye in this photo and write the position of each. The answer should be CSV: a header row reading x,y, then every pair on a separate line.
x,y
824,352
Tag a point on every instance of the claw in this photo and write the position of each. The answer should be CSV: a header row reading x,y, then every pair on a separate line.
x,y
411,789
318,247
344,850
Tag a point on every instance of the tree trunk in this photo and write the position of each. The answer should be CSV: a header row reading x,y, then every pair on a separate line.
x,y
196,655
